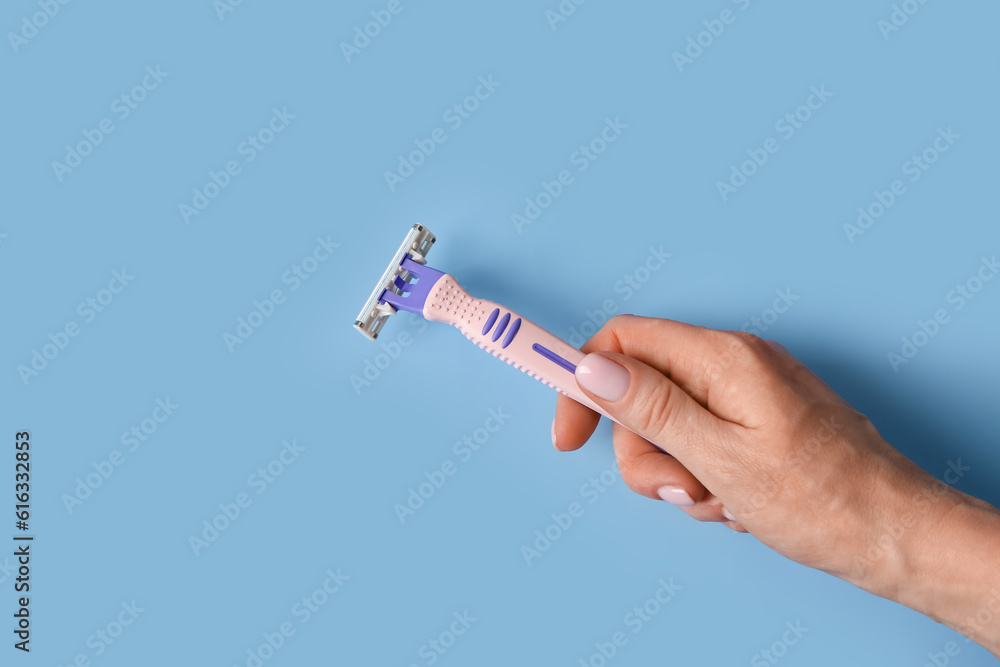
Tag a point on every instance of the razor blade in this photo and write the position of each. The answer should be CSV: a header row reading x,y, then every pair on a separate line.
x,y
409,284
377,309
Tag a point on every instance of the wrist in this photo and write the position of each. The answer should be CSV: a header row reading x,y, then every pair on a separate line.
x,y
935,551
956,579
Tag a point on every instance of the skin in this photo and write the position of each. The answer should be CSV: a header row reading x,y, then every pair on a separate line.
x,y
761,444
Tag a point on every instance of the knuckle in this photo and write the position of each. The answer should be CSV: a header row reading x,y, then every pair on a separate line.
x,y
621,320
620,324
748,350
610,335
777,347
644,472
744,342
624,464
628,468
863,423
656,409
632,482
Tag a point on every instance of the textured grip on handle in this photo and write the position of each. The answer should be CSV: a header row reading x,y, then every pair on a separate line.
x,y
509,337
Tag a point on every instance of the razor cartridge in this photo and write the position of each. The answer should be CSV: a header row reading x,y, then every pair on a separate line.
x,y
410,284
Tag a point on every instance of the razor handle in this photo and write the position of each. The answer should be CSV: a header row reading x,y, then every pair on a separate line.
x,y
509,337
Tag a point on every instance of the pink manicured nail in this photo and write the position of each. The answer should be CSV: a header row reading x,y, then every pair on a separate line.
x,y
599,375
554,435
675,495
726,513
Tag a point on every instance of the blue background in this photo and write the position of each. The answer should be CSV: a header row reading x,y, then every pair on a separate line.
x,y
366,446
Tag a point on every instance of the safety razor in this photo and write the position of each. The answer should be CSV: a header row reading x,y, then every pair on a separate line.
x,y
410,284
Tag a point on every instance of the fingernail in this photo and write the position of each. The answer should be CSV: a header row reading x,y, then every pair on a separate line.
x,y
599,375
675,495
726,513
554,444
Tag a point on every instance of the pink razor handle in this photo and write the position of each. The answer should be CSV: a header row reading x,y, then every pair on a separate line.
x,y
508,337
409,284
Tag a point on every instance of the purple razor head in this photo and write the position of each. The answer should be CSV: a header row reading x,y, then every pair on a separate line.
x,y
411,296
405,284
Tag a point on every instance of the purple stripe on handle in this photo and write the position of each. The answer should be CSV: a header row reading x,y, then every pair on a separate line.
x,y
554,358
504,321
509,338
491,320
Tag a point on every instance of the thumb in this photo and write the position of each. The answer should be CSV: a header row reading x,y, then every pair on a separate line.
x,y
647,402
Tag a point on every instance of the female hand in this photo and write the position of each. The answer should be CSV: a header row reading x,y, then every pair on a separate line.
x,y
760,443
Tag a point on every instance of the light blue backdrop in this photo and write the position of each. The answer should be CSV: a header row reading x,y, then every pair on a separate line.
x,y
287,136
